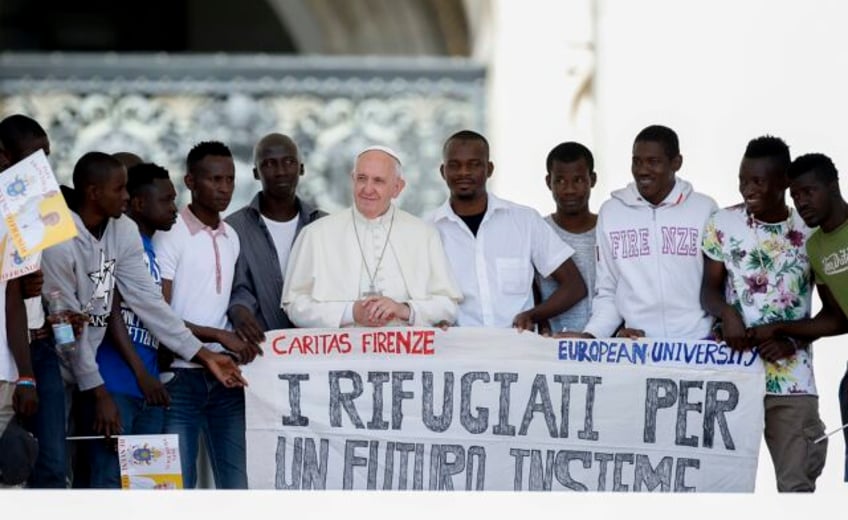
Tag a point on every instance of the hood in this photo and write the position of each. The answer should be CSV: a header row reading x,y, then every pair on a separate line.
x,y
84,234
629,195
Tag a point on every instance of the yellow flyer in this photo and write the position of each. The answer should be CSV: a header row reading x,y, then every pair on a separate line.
x,y
150,461
32,206
12,264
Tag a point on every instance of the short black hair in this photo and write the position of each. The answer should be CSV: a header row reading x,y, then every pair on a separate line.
x,y
129,159
142,176
466,135
17,128
818,163
569,152
93,168
769,147
202,150
663,135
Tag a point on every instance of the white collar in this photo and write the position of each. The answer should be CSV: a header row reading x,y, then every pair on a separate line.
x,y
380,221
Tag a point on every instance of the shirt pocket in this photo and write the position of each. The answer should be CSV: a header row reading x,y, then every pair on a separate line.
x,y
512,276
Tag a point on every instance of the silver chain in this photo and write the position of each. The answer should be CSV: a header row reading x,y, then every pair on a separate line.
x,y
371,277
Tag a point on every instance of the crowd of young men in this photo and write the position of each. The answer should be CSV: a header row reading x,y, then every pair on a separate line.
x,y
167,302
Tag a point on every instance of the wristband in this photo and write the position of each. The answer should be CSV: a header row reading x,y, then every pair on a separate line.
x,y
25,381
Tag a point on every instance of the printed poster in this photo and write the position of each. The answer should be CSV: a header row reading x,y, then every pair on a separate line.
x,y
150,461
12,264
32,206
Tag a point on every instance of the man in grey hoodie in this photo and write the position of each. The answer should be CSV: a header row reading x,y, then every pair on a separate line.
x,y
106,252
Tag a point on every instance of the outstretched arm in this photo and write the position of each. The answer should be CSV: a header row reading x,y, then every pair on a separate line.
x,y
146,299
571,290
245,350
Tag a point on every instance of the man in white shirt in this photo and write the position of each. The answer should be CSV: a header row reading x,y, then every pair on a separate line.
x,y
495,246
197,259
373,264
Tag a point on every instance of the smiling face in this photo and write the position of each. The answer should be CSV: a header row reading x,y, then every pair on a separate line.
x,y
466,168
762,184
376,181
277,166
653,170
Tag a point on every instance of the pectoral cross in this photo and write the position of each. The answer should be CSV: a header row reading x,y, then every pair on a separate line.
x,y
372,291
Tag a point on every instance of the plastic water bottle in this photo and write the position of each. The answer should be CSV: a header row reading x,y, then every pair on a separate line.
x,y
63,332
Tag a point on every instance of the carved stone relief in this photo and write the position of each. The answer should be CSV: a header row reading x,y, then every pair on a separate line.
x,y
159,107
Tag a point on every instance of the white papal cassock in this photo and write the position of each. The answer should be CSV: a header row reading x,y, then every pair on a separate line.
x,y
334,259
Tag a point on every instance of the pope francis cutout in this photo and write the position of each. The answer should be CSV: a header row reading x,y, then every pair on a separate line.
x,y
372,265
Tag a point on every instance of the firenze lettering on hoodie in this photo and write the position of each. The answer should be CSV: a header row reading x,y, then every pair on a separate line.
x,y
676,240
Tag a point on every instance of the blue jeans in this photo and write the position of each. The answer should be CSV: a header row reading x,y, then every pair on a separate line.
x,y
50,422
843,408
201,404
137,418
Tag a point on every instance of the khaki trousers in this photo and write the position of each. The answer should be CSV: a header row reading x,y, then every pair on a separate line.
x,y
792,424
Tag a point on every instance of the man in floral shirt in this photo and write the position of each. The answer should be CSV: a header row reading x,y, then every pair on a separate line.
x,y
756,271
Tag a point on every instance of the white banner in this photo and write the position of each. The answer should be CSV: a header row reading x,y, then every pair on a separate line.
x,y
496,409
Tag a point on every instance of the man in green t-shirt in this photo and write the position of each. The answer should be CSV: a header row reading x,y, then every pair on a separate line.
x,y
814,187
